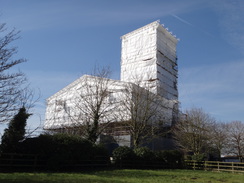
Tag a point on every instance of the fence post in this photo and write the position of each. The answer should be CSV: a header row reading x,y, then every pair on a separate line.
x,y
215,165
11,160
35,161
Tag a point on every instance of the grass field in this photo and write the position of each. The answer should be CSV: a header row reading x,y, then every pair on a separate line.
x,y
122,176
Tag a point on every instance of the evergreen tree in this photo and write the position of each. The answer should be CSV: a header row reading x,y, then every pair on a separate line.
x,y
15,132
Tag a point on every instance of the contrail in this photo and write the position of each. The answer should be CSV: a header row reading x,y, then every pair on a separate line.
x,y
182,20
188,23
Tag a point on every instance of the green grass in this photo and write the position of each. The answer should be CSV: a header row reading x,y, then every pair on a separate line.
x,y
122,176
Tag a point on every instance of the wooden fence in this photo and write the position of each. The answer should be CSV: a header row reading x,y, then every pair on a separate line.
x,y
215,166
24,162
146,164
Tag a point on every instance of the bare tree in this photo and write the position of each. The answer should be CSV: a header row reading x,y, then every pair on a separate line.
x,y
93,105
236,139
193,132
219,138
144,112
85,107
28,99
10,83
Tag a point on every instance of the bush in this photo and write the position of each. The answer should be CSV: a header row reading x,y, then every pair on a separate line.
x,y
63,150
58,144
159,156
144,153
173,158
198,157
123,153
99,150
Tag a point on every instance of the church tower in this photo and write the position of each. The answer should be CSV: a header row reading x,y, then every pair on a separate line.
x,y
149,54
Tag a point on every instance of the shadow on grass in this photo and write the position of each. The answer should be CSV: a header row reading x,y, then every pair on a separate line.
x,y
132,173
122,176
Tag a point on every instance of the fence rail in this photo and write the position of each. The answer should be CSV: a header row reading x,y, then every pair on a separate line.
x,y
215,166
146,164
22,162
35,162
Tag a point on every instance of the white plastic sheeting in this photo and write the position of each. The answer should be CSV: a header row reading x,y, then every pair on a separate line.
x,y
69,106
149,54
138,54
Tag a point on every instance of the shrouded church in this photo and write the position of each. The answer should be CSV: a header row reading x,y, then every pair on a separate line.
x,y
147,91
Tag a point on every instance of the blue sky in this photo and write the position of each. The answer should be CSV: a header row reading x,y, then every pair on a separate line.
x,y
64,39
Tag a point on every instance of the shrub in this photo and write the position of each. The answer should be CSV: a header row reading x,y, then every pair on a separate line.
x,y
144,153
159,156
198,157
99,150
42,145
173,158
63,150
57,144
123,153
